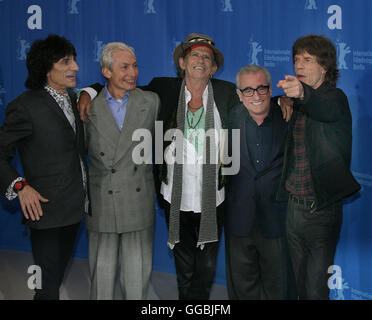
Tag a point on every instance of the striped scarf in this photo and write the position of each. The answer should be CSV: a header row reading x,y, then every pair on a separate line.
x,y
208,222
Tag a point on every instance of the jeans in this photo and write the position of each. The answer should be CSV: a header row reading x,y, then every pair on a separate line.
x,y
312,240
195,268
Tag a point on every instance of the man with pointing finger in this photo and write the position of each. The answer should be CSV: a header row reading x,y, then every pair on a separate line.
x,y
316,175
43,124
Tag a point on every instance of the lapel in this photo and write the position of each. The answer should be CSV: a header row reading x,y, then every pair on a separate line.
x,y
278,131
78,124
135,116
169,116
103,120
219,94
53,105
245,159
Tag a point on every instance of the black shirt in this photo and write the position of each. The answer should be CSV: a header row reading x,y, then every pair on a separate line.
x,y
259,140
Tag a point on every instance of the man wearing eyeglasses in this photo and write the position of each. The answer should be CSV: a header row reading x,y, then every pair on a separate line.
x,y
257,261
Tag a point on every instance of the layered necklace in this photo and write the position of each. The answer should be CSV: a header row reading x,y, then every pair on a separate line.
x,y
194,132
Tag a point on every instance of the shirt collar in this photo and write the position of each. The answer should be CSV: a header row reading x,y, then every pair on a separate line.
x,y
58,97
323,86
109,97
55,93
188,98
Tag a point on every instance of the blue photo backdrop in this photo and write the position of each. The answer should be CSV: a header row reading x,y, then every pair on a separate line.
x,y
260,32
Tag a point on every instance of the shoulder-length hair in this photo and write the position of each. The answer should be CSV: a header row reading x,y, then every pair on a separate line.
x,y
324,50
41,57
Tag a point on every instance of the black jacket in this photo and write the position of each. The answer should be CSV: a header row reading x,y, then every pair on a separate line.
x,y
49,151
169,89
251,194
328,139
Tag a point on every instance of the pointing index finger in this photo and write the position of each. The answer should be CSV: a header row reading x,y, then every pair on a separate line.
x,y
290,78
280,83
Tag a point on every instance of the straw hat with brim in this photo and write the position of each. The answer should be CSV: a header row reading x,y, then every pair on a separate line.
x,y
194,39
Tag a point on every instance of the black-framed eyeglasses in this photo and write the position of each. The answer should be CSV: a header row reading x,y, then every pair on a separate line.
x,y
249,92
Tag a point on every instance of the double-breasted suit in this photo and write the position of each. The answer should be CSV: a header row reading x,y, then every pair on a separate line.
x,y
122,196
122,191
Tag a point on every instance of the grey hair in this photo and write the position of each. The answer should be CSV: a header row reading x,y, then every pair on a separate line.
x,y
252,68
107,59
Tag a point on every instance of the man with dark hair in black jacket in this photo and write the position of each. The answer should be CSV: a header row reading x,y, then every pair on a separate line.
x,y
43,124
316,174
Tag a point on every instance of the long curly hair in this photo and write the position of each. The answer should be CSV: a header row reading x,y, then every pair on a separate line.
x,y
324,50
41,57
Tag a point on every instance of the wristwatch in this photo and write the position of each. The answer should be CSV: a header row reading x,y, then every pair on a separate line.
x,y
18,186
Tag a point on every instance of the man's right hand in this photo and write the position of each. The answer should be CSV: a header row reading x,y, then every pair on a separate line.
x,y
84,106
30,199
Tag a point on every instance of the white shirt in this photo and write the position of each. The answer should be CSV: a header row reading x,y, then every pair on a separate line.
x,y
192,175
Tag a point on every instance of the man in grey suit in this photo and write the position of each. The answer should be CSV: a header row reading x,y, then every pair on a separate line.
x,y
122,192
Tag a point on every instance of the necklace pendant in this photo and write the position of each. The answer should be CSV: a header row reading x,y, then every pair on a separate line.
x,y
191,137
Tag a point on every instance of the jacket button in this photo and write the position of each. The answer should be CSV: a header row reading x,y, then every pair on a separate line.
x,y
113,170
102,154
135,168
138,189
110,192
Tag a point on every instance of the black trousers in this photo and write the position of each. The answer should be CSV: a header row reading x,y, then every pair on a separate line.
x,y
312,241
52,250
195,268
258,268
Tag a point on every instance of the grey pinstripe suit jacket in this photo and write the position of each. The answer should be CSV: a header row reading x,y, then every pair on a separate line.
x,y
122,193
